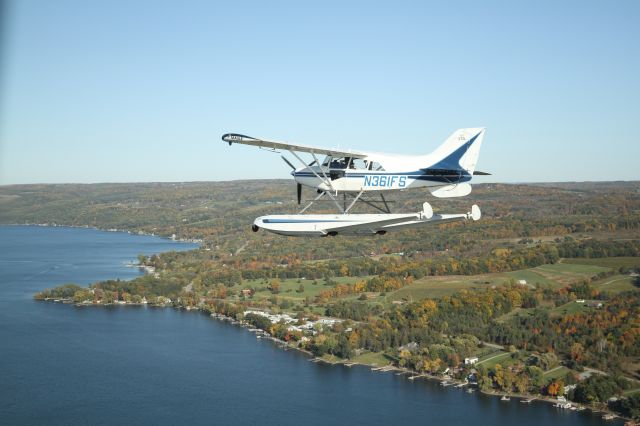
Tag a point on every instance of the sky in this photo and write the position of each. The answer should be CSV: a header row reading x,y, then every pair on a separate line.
x,y
122,91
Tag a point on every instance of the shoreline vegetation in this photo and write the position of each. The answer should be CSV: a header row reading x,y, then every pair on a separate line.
x,y
527,301
445,380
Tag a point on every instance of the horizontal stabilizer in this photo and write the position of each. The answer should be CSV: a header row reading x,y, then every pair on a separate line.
x,y
450,191
479,173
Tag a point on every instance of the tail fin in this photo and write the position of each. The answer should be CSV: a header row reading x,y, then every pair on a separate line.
x,y
459,152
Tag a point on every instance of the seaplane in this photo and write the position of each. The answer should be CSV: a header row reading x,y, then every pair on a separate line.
x,y
346,177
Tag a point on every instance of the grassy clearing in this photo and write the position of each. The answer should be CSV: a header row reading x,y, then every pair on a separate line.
x,y
558,275
608,262
371,358
633,391
438,287
516,313
485,352
498,357
569,308
556,373
616,284
531,276
566,274
330,358
573,269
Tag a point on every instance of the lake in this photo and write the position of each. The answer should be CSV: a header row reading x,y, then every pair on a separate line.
x,y
62,364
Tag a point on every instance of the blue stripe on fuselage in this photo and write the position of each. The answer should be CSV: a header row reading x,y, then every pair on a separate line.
x,y
389,179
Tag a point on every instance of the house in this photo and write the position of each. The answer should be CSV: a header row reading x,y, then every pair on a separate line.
x,y
411,347
246,292
471,361
522,282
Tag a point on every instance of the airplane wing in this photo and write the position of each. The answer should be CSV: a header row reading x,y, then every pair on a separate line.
x,y
231,138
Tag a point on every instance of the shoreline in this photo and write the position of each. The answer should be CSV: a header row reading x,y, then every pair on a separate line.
x,y
523,398
123,231
446,381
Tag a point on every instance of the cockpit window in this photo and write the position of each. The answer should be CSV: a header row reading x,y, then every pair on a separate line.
x,y
349,163
339,163
358,163
376,166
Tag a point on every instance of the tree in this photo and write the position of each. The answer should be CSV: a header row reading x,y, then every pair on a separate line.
x,y
555,388
631,406
274,286
596,389
536,374
521,382
498,376
577,351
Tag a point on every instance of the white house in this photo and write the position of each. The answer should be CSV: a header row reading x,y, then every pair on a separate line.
x,y
470,361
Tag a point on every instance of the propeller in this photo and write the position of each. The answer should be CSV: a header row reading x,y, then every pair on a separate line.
x,y
299,186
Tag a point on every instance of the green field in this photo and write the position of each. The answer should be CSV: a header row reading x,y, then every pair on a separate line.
x,y
556,373
633,391
558,275
617,284
566,274
608,262
372,358
498,357
569,308
437,287
531,276
517,312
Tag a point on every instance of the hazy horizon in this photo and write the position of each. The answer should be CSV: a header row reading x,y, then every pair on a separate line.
x,y
476,182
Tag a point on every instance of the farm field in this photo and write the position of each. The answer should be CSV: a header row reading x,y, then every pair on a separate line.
x,y
557,275
617,284
438,287
607,262
567,274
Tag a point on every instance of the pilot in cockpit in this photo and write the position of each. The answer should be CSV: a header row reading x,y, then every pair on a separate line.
x,y
338,163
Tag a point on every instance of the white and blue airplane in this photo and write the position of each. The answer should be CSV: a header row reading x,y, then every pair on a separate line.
x,y
446,172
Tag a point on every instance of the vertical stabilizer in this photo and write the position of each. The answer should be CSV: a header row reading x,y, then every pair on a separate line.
x,y
459,152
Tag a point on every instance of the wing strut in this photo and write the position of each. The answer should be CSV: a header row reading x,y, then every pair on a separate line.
x,y
311,203
354,201
325,179
386,206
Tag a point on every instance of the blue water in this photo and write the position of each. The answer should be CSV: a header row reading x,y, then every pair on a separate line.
x,y
61,364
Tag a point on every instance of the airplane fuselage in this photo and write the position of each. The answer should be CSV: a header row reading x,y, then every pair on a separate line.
x,y
348,180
